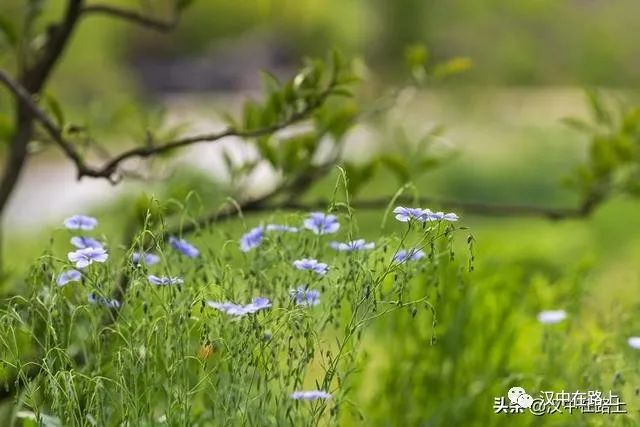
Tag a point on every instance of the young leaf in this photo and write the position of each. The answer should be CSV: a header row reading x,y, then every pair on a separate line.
x,y
577,124
452,67
56,109
598,108
416,56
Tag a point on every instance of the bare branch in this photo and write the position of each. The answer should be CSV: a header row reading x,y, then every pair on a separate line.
x,y
132,16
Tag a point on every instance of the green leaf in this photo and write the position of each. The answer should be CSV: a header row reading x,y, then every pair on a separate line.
x,y
342,92
251,115
276,104
228,161
348,77
451,67
598,108
8,31
56,109
336,120
269,81
183,4
337,61
289,93
229,119
416,56
631,121
577,124
427,163
6,128
603,156
267,151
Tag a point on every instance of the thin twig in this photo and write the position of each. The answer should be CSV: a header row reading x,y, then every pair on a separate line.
x,y
132,16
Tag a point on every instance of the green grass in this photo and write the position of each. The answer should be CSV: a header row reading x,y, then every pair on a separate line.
x,y
166,355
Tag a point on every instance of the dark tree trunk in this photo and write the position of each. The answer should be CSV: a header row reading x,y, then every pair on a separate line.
x,y
17,155
33,79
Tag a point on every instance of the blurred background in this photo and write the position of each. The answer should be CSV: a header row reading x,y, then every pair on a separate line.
x,y
532,60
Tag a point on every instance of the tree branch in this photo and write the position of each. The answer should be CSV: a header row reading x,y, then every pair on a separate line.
x,y
110,167
261,205
132,16
31,81
26,99
36,75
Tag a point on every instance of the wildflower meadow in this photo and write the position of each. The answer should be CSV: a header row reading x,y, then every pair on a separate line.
x,y
248,330
319,213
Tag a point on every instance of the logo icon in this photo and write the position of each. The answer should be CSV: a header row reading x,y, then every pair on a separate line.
x,y
518,396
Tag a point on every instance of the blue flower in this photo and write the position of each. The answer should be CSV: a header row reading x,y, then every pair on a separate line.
x,y
238,310
450,217
98,300
184,247
321,223
423,215
439,216
163,281
68,276
228,307
80,222
404,255
82,242
310,395
279,227
407,214
354,245
634,342
550,317
252,239
311,265
433,216
305,297
87,256
258,303
145,257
